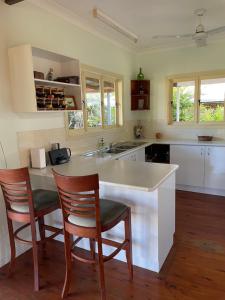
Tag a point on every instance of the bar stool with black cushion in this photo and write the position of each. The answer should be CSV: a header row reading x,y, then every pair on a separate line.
x,y
87,216
26,206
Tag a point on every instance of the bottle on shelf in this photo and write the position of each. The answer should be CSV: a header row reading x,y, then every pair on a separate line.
x,y
140,75
50,75
141,90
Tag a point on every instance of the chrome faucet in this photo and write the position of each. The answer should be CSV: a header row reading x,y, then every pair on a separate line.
x,y
101,143
110,145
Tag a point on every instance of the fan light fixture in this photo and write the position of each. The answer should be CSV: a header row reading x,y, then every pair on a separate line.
x,y
97,13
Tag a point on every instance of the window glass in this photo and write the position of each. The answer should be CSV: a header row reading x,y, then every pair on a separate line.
x,y
93,102
109,103
75,120
212,100
183,94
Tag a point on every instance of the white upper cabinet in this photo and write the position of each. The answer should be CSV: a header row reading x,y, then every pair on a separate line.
x,y
215,167
31,94
191,164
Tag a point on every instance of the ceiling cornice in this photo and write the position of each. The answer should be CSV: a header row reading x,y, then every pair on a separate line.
x,y
71,17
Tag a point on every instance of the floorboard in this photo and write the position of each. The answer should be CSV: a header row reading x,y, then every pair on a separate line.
x,y
195,268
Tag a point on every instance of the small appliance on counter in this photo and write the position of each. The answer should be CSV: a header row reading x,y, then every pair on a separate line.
x,y
59,155
38,158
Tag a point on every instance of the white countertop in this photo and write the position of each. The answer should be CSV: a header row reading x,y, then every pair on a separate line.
x,y
220,143
148,142
136,175
128,174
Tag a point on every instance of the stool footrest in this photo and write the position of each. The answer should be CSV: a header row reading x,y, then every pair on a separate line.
x,y
82,259
18,231
56,231
117,245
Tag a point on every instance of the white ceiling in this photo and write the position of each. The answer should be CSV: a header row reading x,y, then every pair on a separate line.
x,y
145,18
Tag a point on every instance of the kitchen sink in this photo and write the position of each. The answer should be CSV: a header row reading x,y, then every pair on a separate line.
x,y
127,145
115,149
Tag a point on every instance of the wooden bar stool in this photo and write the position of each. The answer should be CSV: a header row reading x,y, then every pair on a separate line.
x,y
26,206
87,216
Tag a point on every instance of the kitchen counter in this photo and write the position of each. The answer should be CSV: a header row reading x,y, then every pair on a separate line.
x,y
127,174
218,143
149,141
148,188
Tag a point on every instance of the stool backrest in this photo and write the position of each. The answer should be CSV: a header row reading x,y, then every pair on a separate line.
x,y
16,188
79,196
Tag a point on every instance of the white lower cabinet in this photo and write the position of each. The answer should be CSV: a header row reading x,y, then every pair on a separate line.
x,y
199,166
215,167
138,155
191,164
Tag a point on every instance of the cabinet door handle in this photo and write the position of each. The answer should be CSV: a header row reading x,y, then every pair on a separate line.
x,y
208,151
202,151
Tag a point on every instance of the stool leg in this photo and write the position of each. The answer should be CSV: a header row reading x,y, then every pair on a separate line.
x,y
101,269
12,247
41,223
35,256
92,248
128,236
67,245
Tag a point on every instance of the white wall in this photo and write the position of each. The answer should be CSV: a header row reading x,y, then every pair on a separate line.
x,y
157,66
24,23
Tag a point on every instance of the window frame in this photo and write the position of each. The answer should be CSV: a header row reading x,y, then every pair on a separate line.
x,y
102,75
196,77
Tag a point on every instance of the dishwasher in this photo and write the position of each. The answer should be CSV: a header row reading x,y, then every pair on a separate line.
x,y
158,153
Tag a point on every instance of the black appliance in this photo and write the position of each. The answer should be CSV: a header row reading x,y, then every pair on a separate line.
x,y
159,153
59,156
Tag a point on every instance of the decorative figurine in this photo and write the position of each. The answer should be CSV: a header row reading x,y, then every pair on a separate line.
x,y
138,130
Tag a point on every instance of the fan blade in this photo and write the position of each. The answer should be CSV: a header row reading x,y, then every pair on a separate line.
x,y
172,36
216,30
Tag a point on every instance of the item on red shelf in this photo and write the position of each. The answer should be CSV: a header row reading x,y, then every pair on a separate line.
x,y
68,79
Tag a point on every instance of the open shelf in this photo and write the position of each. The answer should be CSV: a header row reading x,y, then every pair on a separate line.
x,y
140,94
54,83
56,96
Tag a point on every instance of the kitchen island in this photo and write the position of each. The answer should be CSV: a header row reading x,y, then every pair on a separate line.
x,y
148,188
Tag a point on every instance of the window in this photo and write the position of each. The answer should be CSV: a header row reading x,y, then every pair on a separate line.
x,y
212,94
197,99
93,101
102,105
183,98
109,103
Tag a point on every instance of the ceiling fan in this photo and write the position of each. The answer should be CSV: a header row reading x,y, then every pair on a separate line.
x,y
200,36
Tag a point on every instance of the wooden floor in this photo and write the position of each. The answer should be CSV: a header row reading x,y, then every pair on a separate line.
x,y
195,269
